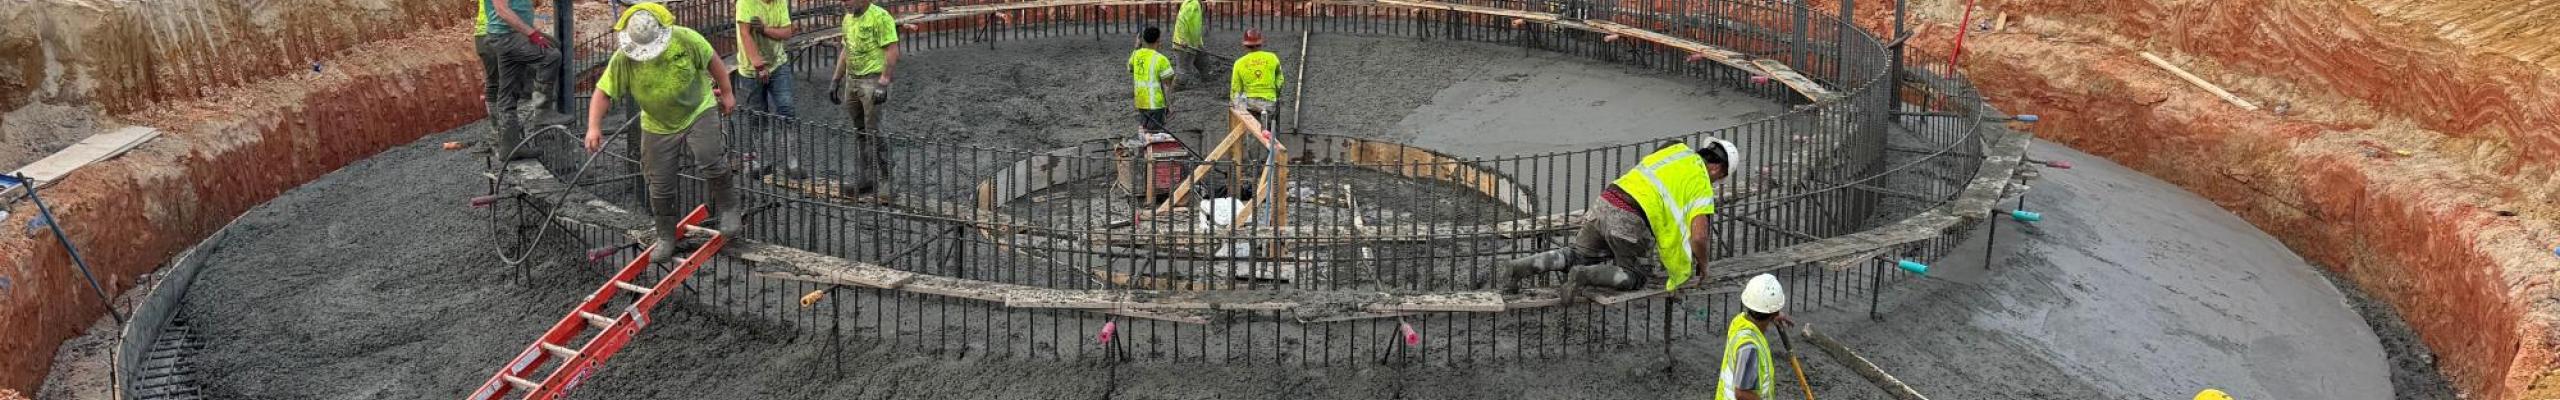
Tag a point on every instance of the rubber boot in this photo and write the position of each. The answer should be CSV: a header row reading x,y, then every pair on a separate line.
x,y
1594,275
663,248
1514,270
728,215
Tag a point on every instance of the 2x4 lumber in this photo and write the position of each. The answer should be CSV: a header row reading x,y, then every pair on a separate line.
x,y
1533,16
1225,146
1864,368
1442,302
820,268
1730,58
100,147
2200,82
1779,71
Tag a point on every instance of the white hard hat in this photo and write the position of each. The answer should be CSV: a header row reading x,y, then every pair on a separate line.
x,y
1732,155
643,36
1764,295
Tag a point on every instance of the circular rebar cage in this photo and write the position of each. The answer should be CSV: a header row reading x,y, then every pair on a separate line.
x,y
1347,249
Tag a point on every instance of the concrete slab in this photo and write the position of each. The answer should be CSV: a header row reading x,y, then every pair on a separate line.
x,y
2130,288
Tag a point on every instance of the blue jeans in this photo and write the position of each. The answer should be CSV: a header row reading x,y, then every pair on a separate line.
x,y
770,95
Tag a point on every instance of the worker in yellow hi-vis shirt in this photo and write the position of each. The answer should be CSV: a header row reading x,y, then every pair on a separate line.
x,y
1749,370
671,73
870,54
1151,74
1188,27
1662,205
1254,84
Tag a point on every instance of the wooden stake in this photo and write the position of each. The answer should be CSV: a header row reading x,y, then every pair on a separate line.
x,y
1891,386
2199,82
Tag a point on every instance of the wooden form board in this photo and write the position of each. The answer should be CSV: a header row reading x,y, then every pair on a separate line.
x,y
1780,72
95,148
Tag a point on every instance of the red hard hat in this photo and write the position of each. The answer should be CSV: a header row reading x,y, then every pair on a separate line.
x,y
1253,37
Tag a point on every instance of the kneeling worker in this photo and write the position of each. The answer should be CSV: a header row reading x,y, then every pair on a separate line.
x,y
671,73
1749,370
1662,205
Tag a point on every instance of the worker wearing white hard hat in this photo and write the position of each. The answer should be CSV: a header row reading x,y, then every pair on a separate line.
x,y
1662,205
671,73
1749,370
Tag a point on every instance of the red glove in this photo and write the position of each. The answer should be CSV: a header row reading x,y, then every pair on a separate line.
x,y
538,39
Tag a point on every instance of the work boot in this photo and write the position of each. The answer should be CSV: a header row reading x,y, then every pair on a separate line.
x,y
727,214
1513,270
663,248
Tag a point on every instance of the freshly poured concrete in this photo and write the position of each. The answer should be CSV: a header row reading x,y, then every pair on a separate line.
x,y
2130,288
1548,104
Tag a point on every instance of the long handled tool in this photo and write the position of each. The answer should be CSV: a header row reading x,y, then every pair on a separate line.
x,y
1797,361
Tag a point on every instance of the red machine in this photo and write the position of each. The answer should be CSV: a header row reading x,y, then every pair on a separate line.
x,y
613,331
1165,156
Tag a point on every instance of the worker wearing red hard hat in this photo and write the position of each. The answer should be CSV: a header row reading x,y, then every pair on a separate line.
x,y
1254,84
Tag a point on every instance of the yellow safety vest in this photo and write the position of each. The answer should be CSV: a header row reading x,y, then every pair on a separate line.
x,y
1147,69
1741,332
1672,186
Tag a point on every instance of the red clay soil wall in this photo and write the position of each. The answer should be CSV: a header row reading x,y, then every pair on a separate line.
x,y
219,155
2457,233
127,57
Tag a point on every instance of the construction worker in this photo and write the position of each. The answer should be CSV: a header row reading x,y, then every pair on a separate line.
x,y
765,29
1662,205
1188,28
1749,370
1254,84
516,61
673,75
1151,73
870,53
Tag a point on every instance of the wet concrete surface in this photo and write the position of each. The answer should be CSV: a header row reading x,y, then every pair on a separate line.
x,y
2130,288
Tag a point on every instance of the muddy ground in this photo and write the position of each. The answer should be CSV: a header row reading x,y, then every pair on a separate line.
x,y
374,282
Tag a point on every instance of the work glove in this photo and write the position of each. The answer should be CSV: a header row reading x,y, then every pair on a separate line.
x,y
835,91
880,96
538,39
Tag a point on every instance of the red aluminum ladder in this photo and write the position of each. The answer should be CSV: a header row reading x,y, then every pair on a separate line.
x,y
613,331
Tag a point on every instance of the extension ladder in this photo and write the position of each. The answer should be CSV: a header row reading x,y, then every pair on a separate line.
x,y
612,331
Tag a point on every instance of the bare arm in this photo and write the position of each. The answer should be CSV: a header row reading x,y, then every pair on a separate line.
x,y
747,52
888,61
720,84
1701,245
596,107
779,32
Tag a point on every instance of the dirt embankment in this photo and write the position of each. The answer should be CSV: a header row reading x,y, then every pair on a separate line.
x,y
243,117
2404,144
128,56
